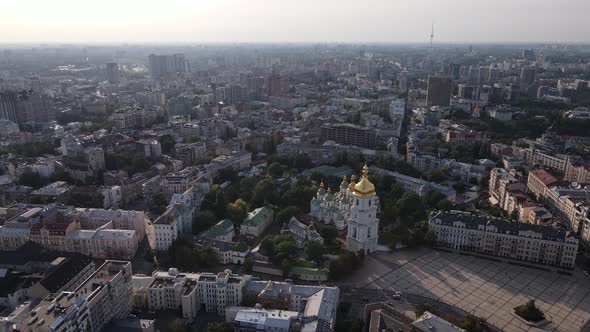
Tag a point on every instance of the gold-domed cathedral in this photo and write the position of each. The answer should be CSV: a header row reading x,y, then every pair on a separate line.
x,y
333,209
363,223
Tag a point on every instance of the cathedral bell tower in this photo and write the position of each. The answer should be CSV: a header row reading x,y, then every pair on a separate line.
x,y
363,225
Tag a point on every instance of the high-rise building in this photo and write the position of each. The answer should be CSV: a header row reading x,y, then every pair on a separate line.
x,y
403,81
255,86
36,85
8,106
473,75
455,71
483,75
34,107
112,72
397,110
439,91
494,75
181,65
233,94
527,77
466,91
528,54
274,85
161,66
349,134
363,225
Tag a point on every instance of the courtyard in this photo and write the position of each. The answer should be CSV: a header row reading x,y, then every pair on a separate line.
x,y
482,287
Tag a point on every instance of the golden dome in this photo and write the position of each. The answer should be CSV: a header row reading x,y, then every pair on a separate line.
x,y
364,188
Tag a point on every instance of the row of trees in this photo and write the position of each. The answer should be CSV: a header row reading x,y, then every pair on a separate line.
x,y
184,256
282,251
344,265
35,180
405,213
130,164
243,194
30,150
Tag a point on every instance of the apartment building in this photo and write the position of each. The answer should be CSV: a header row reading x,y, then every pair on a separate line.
x,y
329,152
179,182
349,134
430,162
538,244
175,221
93,232
517,200
106,295
585,228
547,159
570,205
317,305
149,148
112,197
235,160
539,181
121,219
32,273
132,117
189,292
578,172
190,153
498,150
499,181
463,137
85,163
314,307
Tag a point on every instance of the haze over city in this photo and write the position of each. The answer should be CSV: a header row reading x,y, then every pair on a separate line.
x,y
294,166
391,21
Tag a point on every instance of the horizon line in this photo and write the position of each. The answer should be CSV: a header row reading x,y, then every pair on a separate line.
x,y
426,43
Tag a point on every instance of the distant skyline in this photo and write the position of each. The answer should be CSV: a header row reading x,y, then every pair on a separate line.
x,y
265,21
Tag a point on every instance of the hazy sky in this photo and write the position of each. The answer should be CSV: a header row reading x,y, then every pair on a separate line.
x,y
293,20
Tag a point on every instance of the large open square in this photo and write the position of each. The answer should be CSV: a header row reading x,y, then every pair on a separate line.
x,y
482,287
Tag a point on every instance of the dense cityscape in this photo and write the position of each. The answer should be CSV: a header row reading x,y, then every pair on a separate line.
x,y
295,187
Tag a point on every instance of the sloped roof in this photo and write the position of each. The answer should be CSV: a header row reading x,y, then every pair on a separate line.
x,y
221,228
258,216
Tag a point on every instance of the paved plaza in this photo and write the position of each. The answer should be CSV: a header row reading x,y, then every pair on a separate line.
x,y
482,287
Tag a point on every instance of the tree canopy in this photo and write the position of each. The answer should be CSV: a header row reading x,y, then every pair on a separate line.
x,y
238,210
315,251
167,142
